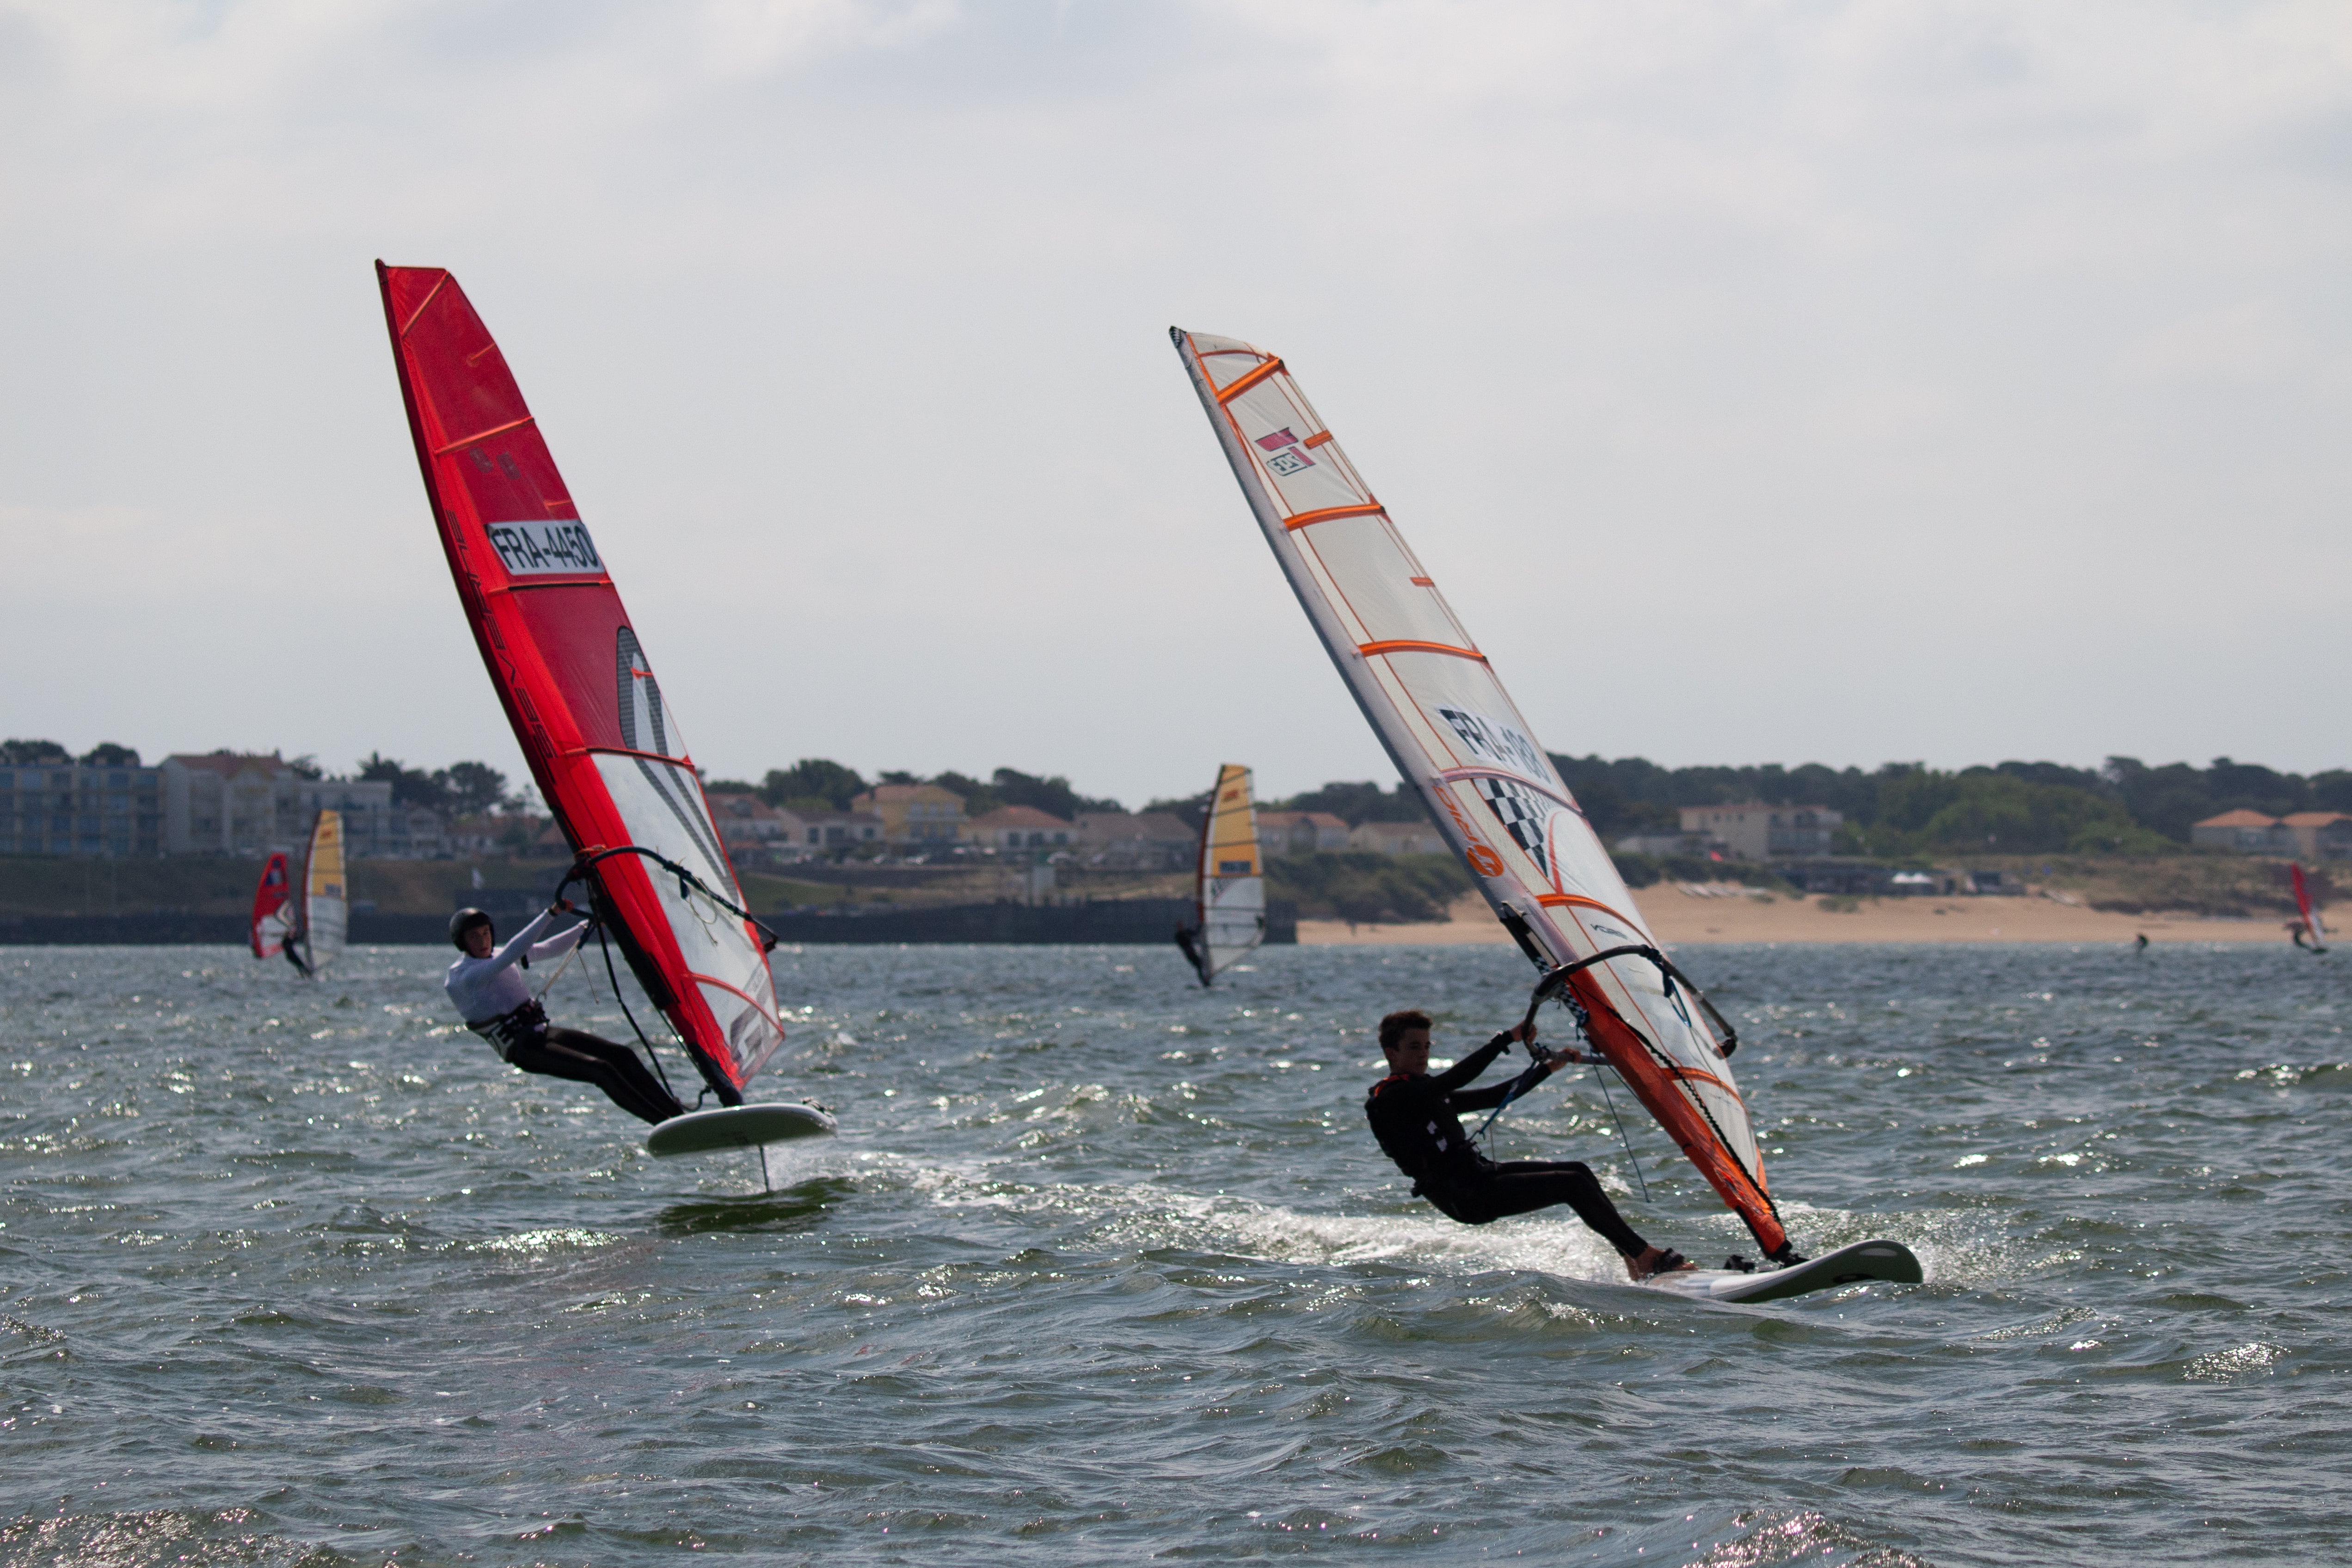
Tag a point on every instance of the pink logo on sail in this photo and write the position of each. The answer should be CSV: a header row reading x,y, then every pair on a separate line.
x,y
1279,440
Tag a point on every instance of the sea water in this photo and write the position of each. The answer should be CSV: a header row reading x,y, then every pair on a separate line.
x,y
1105,1268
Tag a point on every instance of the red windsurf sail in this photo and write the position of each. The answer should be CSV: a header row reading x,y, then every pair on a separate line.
x,y
2312,928
602,744
270,915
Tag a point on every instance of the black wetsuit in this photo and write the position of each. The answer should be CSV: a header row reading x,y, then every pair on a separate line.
x,y
526,1040
1417,1121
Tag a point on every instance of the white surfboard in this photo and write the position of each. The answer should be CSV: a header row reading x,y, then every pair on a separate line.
x,y
736,1127
1865,1261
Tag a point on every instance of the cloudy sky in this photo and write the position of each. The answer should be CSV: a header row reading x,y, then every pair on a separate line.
x,y
1762,381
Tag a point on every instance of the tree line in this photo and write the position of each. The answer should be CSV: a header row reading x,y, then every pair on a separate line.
x,y
817,783
2124,807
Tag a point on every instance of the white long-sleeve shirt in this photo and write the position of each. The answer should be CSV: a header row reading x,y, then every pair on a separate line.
x,y
488,988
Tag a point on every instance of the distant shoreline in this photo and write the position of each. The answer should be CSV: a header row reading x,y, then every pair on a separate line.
x,y
1732,915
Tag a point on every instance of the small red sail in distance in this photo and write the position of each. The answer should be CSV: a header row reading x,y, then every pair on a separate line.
x,y
602,744
268,928
2311,926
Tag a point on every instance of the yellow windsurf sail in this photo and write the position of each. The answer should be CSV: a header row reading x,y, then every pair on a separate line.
x,y
325,902
1230,905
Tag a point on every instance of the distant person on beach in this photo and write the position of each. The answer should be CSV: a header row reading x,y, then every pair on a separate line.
x,y
1416,1118
497,1004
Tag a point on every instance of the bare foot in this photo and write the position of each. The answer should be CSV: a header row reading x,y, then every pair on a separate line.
x,y
1657,1260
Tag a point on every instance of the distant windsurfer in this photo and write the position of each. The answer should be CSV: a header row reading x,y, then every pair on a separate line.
x,y
2298,932
2139,942
1415,1117
291,946
497,1004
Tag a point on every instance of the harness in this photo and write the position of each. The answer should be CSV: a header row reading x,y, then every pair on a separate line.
x,y
509,1032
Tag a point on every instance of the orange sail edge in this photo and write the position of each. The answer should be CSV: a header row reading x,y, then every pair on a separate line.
x,y
1744,1194
572,679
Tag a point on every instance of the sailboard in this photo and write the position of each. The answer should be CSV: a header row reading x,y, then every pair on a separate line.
x,y
1454,732
271,916
1864,1263
1229,898
2316,933
602,741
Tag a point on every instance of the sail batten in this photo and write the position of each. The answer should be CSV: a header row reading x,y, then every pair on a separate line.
x,y
1455,734
601,742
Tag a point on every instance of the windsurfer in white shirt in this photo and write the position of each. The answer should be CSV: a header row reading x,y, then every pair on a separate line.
x,y
496,1002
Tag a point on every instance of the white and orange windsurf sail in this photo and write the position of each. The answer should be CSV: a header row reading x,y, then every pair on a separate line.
x,y
602,744
2312,928
1455,734
1230,900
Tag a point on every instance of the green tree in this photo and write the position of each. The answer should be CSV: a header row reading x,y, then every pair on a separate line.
x,y
1052,796
813,778
33,753
1357,885
470,789
1359,803
410,786
979,799
2005,814
107,754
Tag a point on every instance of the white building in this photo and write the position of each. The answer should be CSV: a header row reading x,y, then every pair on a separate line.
x,y
73,808
1754,831
229,803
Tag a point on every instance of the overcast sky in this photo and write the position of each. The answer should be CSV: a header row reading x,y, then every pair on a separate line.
x,y
1761,382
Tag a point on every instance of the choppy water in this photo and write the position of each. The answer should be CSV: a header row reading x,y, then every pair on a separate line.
x,y
1105,1269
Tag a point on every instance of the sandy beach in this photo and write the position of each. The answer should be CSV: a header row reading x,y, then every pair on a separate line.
x,y
1726,912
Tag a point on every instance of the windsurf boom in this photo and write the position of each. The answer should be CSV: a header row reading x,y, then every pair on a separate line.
x,y
1455,734
602,744
1229,900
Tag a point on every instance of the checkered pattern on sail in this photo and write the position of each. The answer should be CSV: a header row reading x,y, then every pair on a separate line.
x,y
1523,814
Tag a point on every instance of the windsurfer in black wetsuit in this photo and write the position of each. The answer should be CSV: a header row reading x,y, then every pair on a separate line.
x,y
1416,1118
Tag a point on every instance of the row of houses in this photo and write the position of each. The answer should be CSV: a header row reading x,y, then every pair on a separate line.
x,y
918,819
2305,835
1748,830
222,803
1754,831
